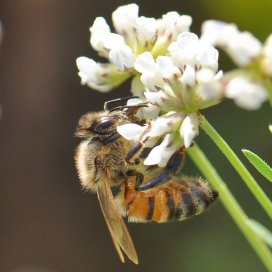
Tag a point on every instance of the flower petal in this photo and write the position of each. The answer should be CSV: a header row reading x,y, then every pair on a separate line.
x,y
189,77
241,46
99,31
162,153
210,88
173,23
124,17
267,56
122,57
146,26
151,76
189,129
87,69
218,32
137,87
131,132
246,94
145,63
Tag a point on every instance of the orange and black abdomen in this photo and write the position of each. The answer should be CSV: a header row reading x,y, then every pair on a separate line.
x,y
179,199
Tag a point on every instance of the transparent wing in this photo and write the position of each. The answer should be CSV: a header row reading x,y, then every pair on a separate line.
x,y
117,227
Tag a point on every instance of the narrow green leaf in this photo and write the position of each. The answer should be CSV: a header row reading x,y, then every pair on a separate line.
x,y
259,164
261,231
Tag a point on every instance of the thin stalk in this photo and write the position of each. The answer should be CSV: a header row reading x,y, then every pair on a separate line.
x,y
268,86
251,183
231,205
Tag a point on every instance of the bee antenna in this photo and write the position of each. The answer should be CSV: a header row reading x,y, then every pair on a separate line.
x,y
120,99
129,107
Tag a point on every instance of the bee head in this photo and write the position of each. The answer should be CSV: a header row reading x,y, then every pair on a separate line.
x,y
97,124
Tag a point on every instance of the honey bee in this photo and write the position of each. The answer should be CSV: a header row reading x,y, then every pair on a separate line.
x,y
104,159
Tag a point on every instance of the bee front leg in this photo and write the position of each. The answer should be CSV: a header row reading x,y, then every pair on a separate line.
x,y
112,138
133,155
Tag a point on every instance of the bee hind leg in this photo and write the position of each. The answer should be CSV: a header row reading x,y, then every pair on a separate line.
x,y
139,176
172,169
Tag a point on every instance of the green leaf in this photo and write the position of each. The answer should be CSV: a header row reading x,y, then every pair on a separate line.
x,y
261,231
259,164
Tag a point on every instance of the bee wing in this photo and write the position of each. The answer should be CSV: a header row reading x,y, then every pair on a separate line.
x,y
116,225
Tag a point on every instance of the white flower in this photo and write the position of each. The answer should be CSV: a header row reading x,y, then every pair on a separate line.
x,y
144,113
156,98
217,32
210,87
124,18
147,27
161,154
137,87
151,76
87,70
98,76
99,30
131,132
173,24
189,129
246,93
165,124
188,49
134,36
189,76
242,47
266,61
168,27
178,85
186,80
122,57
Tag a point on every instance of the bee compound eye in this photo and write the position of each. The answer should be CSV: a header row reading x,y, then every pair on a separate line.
x,y
103,126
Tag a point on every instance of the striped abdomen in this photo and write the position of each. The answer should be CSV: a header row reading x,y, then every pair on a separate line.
x,y
179,199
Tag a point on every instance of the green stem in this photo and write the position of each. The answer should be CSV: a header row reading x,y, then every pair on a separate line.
x,y
231,205
268,86
251,183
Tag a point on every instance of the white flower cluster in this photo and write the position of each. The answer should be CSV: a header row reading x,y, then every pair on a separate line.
x,y
177,86
246,85
174,72
134,36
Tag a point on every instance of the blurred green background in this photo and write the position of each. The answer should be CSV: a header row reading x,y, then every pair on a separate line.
x,y
47,224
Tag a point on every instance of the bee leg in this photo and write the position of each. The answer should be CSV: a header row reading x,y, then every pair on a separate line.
x,y
172,168
161,178
139,176
136,150
130,158
112,138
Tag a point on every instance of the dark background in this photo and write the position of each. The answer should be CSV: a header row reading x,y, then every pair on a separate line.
x,y
47,224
